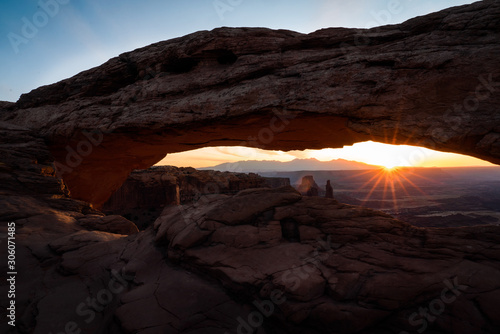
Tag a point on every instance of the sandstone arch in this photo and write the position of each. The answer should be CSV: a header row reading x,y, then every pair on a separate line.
x,y
431,81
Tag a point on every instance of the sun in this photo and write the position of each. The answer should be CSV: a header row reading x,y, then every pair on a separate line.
x,y
390,167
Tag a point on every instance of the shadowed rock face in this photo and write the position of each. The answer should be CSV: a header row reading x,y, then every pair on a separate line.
x,y
431,81
322,266
308,186
338,268
146,192
328,190
315,265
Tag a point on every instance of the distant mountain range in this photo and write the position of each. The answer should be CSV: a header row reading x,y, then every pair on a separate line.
x,y
255,166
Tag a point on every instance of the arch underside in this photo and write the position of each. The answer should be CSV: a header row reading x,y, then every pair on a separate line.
x,y
430,81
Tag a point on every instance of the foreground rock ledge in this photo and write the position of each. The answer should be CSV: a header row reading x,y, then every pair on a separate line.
x,y
431,81
337,268
329,267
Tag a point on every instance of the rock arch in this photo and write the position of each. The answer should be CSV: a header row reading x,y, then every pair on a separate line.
x,y
431,81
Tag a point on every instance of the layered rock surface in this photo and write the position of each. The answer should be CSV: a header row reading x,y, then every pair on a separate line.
x,y
205,267
430,81
308,186
48,223
145,193
352,270
265,258
304,264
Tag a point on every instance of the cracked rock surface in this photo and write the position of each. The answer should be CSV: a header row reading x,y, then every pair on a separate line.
x,y
263,260
145,193
265,257
348,269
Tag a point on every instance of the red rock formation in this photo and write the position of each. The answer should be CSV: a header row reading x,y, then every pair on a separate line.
x,y
328,190
48,223
308,186
205,266
431,81
328,266
345,270
146,192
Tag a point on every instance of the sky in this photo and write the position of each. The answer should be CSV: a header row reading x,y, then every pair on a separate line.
x,y
42,42
368,152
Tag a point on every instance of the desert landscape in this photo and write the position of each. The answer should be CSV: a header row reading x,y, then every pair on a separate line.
x,y
457,196
97,238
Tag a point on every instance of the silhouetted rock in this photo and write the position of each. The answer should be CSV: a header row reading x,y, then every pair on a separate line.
x,y
146,192
328,190
329,267
205,267
112,224
231,86
308,186
343,268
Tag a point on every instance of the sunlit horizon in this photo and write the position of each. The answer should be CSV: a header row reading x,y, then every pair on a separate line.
x,y
392,178
372,153
85,34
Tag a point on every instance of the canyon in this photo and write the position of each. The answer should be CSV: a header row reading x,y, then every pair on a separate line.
x,y
263,259
431,81
145,193
425,197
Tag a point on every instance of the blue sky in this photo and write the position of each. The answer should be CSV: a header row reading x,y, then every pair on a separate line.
x,y
70,35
